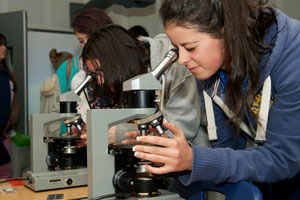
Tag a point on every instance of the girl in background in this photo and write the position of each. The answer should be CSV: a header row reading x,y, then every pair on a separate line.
x,y
84,24
12,109
47,87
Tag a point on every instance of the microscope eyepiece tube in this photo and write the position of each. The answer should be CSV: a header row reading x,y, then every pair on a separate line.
x,y
170,57
79,89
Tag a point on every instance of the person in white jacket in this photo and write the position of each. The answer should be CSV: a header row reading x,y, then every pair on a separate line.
x,y
47,87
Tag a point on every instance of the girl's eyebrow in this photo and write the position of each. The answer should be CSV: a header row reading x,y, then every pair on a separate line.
x,y
187,43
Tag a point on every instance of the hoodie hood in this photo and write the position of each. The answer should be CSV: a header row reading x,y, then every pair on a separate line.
x,y
283,34
158,45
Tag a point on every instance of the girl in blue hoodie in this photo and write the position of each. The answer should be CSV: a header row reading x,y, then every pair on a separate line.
x,y
246,58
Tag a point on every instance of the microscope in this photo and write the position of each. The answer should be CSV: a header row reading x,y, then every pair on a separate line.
x,y
112,169
55,161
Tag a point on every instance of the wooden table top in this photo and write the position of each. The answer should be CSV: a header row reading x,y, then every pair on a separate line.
x,y
24,193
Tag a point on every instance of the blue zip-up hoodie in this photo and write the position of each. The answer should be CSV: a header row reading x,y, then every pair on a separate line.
x,y
279,158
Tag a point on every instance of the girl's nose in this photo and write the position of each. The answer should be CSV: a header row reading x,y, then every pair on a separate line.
x,y
183,57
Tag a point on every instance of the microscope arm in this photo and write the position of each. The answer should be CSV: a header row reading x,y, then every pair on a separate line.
x,y
149,81
81,87
73,96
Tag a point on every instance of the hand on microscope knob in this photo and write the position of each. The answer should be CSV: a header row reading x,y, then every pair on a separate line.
x,y
134,134
132,137
82,134
175,153
112,135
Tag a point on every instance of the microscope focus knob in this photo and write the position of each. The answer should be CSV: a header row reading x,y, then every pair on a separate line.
x,y
123,181
53,160
157,125
69,181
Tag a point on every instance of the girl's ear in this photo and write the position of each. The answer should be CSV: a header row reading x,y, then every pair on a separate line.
x,y
100,75
98,62
90,65
93,64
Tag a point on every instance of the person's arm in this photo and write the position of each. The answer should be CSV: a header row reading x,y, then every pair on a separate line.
x,y
276,160
182,105
14,115
175,153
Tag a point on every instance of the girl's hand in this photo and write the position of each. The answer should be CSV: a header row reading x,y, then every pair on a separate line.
x,y
82,134
83,141
133,134
131,137
112,135
175,153
8,127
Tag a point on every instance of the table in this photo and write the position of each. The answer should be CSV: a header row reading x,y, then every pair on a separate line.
x,y
24,193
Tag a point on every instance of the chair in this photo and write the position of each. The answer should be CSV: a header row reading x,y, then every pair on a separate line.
x,y
233,191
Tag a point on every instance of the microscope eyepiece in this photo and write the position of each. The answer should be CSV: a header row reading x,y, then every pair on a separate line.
x,y
170,57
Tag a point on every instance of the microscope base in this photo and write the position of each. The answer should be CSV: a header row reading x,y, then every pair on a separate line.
x,y
55,179
165,195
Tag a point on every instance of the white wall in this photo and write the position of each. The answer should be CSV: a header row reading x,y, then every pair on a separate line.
x,y
290,7
42,14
